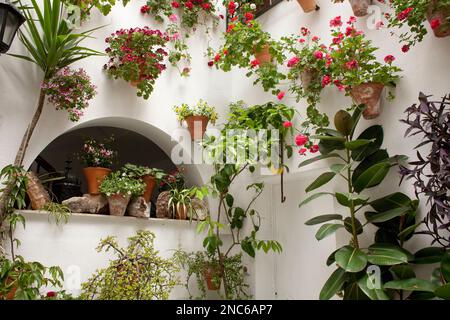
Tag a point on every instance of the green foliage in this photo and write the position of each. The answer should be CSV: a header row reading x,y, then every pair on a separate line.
x,y
59,212
120,183
27,278
202,108
85,6
181,199
14,178
137,172
137,272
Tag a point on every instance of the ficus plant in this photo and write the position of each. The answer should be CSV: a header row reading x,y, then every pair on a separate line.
x,y
363,165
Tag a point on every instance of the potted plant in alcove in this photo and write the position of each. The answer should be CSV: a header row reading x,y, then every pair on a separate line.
x,y
137,56
356,70
150,176
414,13
181,204
196,117
359,7
98,158
119,189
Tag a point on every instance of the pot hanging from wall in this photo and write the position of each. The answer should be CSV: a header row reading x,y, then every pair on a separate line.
x,y
37,193
370,95
197,126
263,55
94,178
434,13
209,273
118,204
307,77
308,5
360,7
150,183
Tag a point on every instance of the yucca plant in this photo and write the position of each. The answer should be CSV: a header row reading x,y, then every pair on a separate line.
x,y
51,46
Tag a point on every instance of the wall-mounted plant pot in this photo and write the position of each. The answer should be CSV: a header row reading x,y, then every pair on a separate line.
x,y
37,193
360,7
308,5
434,13
150,183
94,178
12,292
118,204
370,95
263,55
307,77
209,274
181,212
197,126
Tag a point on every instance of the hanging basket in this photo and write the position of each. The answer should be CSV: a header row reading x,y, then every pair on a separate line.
x,y
370,95
197,126
263,55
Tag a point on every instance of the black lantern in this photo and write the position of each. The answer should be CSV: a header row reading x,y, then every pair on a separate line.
x,y
10,21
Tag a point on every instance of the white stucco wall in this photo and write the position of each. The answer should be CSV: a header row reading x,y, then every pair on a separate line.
x,y
426,68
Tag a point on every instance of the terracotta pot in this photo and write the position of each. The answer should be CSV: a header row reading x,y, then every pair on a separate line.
x,y
197,126
118,204
181,212
94,177
360,7
12,292
263,55
434,13
370,95
307,76
37,193
134,83
308,5
150,182
209,273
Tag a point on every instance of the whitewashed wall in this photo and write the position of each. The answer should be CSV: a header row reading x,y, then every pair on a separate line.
x,y
299,272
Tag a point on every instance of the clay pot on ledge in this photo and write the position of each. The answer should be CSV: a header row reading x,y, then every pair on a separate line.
x,y
209,274
118,204
370,95
197,126
94,178
308,5
434,13
360,7
263,54
150,183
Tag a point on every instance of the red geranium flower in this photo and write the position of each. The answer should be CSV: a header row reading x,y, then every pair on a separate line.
x,y
175,4
301,139
435,23
145,9
405,48
389,58
336,22
189,5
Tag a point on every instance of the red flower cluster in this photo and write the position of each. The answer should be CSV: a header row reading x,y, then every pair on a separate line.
x,y
404,14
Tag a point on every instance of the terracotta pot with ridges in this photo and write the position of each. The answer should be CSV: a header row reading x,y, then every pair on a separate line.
x,y
118,204
94,178
370,95
197,126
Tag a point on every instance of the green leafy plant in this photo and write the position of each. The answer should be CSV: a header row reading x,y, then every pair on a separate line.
x,y
119,183
137,172
136,55
23,280
202,108
85,6
362,165
137,273
198,263
242,41
59,212
174,180
413,13
180,200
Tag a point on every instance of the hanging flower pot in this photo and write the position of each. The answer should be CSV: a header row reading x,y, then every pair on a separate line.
x,y
438,20
150,183
263,54
360,7
197,126
308,5
37,193
308,76
118,204
94,178
370,95
210,272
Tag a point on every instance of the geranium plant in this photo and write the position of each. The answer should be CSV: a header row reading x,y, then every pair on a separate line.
x,y
136,172
249,47
137,55
70,90
98,154
413,13
308,66
120,183
202,108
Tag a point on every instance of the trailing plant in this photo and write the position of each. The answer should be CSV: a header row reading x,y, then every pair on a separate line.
x,y
412,14
70,90
202,108
431,173
51,45
137,172
137,55
307,68
137,273
197,264
353,59
98,153
242,41
362,165
59,212
119,183
24,280
241,10
85,6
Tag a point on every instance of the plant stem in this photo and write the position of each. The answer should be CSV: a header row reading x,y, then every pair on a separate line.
x,y
350,191
221,258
